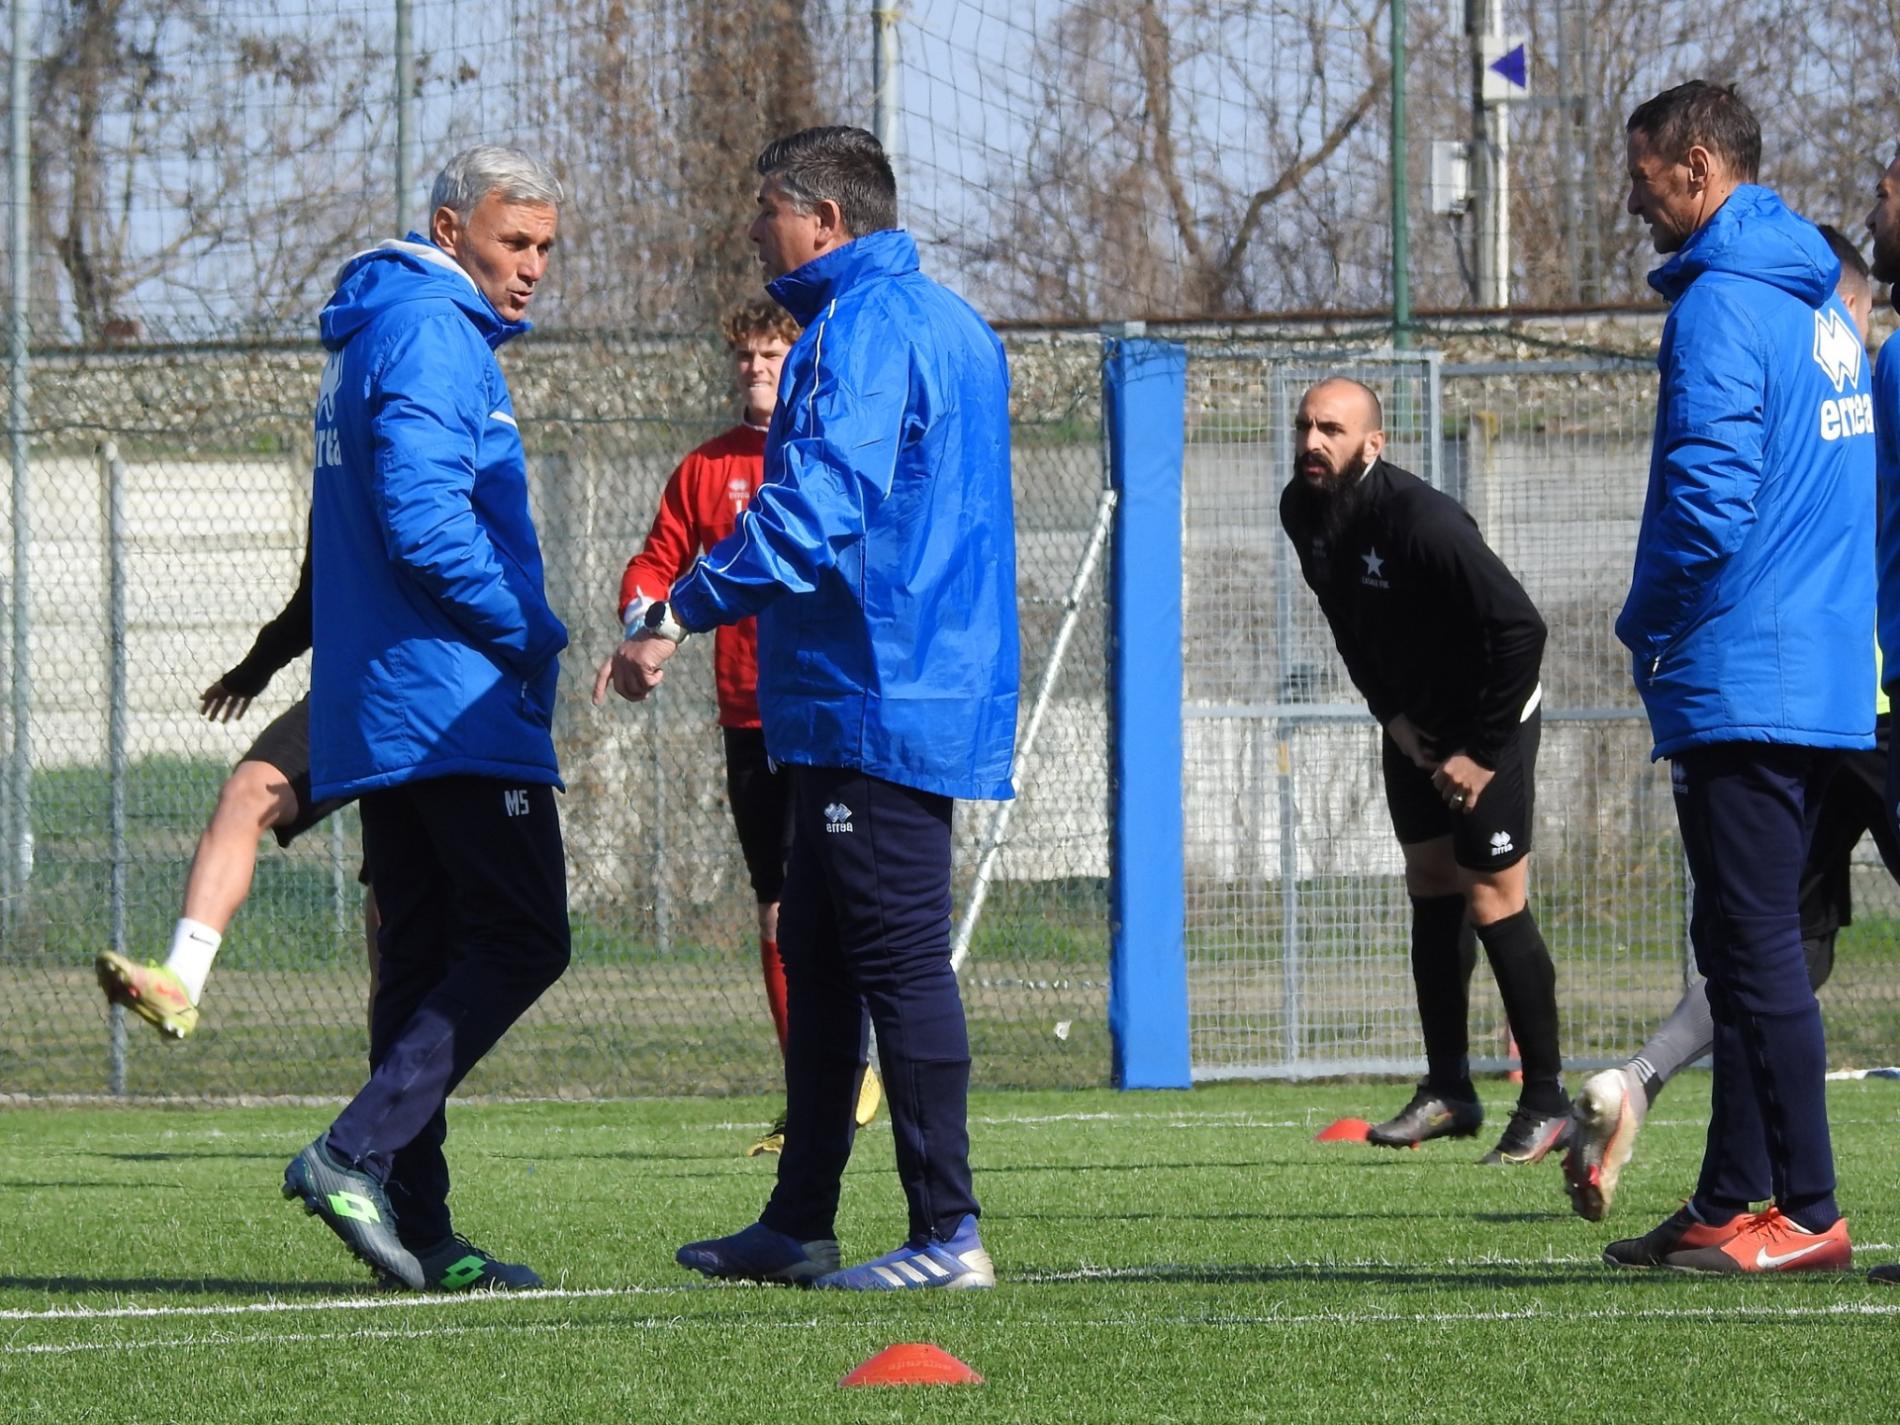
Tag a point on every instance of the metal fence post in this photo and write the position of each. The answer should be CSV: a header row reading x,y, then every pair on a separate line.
x,y
1292,967
112,473
19,850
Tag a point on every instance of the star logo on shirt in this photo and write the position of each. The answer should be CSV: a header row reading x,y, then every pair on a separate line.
x,y
1375,566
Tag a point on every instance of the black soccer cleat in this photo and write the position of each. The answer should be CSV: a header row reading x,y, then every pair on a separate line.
x,y
1429,1115
1531,1133
457,1264
353,1205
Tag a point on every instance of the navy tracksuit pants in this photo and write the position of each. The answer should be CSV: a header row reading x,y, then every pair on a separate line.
x,y
864,925
471,882
1747,812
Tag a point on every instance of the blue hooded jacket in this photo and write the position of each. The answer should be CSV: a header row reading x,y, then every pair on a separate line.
x,y
1887,467
886,522
1754,580
435,651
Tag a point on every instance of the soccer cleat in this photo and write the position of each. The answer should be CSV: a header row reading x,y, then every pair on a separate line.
x,y
1605,1119
1888,1275
457,1264
772,1141
1429,1115
959,1264
1529,1135
1770,1241
1682,1230
759,1254
870,1094
353,1205
152,992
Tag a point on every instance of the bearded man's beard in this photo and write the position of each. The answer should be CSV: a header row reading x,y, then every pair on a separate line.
x,y
1332,505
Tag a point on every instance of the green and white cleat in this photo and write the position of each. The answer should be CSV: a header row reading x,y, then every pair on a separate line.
x,y
152,992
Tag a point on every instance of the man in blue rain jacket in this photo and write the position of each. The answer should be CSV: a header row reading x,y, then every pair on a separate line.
x,y
432,692
1747,624
879,556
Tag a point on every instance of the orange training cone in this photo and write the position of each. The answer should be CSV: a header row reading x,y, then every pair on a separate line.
x,y
913,1363
1343,1130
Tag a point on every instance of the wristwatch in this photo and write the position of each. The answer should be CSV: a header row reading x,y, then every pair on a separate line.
x,y
660,622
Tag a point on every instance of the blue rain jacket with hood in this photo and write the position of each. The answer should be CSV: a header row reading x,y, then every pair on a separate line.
x,y
880,554
435,651
1754,579
1887,468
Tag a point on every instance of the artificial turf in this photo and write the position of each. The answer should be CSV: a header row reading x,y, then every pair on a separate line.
x,y
1191,1256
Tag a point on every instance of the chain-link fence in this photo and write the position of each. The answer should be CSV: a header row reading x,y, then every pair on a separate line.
x,y
147,576
1298,919
199,167
211,481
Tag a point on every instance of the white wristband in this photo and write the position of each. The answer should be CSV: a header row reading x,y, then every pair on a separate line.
x,y
659,621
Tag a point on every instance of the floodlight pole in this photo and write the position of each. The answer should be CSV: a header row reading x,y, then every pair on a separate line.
x,y
1490,161
1401,224
884,67
405,117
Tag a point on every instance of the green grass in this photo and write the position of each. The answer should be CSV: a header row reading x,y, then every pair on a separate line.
x,y
1164,1257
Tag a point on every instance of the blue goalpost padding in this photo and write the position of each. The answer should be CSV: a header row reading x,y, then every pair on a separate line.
x,y
1144,400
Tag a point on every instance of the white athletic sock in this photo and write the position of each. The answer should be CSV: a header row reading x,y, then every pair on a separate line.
x,y
194,947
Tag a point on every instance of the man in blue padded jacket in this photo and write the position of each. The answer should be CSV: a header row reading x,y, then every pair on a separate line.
x,y
879,556
432,694
1746,623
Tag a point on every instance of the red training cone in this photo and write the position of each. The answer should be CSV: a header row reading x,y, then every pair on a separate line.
x,y
913,1363
1343,1130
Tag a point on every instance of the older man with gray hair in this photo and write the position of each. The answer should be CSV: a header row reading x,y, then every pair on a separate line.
x,y
432,695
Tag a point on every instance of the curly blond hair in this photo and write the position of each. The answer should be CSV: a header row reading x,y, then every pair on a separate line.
x,y
759,317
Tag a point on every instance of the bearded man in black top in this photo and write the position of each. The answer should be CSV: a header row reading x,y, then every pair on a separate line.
x,y
1445,645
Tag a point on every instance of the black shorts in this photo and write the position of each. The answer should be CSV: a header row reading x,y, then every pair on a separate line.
x,y
761,808
285,745
1493,835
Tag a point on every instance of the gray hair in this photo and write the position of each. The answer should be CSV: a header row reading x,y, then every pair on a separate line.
x,y
476,172
845,165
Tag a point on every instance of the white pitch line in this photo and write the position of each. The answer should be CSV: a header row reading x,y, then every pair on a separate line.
x,y
339,1303
1143,1322
1216,1274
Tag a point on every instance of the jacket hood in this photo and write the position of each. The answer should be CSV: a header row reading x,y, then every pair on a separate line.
x,y
410,269
804,291
1757,236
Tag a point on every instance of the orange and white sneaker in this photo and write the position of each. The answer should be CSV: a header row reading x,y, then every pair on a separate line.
x,y
152,992
1771,1242
1681,1231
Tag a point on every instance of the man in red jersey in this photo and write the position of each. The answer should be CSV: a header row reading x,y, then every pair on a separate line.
x,y
699,507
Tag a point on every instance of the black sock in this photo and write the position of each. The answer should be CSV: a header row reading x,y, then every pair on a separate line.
x,y
1520,962
1444,953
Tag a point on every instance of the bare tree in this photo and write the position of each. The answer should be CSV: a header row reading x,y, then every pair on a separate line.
x,y
186,160
660,112
1132,195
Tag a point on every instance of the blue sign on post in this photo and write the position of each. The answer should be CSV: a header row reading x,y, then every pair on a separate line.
x,y
1507,69
1511,66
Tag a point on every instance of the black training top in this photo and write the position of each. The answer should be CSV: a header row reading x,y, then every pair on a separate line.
x,y
285,637
1428,620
